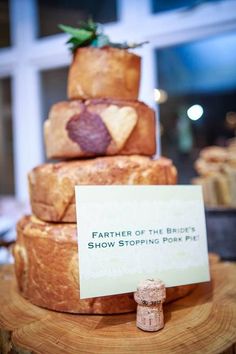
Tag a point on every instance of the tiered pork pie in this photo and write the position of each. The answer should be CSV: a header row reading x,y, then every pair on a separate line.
x,y
103,121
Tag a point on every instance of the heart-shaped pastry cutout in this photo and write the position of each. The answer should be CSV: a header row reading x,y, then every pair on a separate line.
x,y
120,122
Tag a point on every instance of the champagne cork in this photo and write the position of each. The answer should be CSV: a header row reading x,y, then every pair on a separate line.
x,y
150,296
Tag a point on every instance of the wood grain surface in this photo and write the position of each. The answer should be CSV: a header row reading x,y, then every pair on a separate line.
x,y
202,322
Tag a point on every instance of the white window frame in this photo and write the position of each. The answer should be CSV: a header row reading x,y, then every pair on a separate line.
x,y
28,55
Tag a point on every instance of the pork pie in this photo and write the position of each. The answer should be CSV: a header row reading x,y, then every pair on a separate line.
x,y
52,185
104,72
99,127
46,267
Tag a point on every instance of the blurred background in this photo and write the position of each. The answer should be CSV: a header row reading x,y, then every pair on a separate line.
x,y
188,76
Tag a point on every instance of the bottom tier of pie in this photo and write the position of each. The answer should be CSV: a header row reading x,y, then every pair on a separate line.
x,y
46,266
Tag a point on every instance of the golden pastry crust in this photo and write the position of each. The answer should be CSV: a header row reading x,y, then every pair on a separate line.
x,y
104,72
46,267
126,128
52,185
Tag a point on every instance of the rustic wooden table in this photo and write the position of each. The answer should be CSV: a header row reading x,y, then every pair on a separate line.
x,y
202,322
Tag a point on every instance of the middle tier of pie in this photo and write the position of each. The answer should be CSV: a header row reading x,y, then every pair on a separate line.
x,y
99,127
52,185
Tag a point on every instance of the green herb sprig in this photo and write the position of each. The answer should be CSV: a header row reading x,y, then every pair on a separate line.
x,y
91,34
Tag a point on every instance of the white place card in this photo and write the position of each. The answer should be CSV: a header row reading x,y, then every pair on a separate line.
x,y
128,233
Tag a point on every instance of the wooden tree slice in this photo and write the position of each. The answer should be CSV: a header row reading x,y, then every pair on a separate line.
x,y
202,322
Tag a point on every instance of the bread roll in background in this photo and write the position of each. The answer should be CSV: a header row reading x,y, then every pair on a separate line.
x,y
216,166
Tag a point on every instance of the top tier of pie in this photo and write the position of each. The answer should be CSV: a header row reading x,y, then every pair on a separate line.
x,y
104,73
